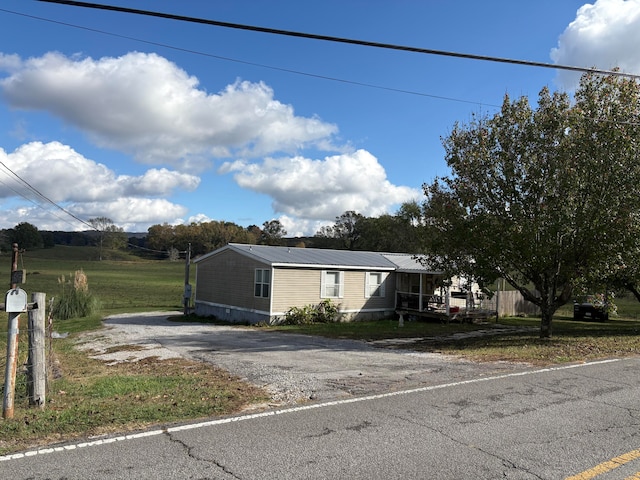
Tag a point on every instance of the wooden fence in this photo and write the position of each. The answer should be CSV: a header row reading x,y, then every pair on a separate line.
x,y
511,303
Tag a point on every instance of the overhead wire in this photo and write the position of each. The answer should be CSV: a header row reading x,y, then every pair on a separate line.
x,y
329,38
36,204
40,195
253,64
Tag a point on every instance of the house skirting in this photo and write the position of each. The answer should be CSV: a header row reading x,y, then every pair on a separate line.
x,y
229,313
365,315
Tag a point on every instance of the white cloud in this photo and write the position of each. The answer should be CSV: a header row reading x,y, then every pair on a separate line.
x,y
85,188
296,227
199,218
605,34
145,105
134,214
317,191
158,182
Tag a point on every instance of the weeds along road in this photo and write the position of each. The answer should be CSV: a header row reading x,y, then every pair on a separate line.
x,y
577,422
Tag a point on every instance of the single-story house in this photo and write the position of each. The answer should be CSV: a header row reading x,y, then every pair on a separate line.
x,y
259,283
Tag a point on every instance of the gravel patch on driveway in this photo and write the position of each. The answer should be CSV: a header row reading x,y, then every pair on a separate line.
x,y
293,368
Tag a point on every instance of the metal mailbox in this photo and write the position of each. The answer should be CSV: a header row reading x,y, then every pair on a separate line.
x,y
15,301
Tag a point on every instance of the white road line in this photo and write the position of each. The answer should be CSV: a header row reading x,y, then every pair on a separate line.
x,y
221,421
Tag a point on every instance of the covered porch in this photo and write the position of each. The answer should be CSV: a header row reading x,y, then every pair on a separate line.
x,y
424,294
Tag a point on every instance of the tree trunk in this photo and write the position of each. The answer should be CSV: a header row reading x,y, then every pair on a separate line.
x,y
632,288
545,323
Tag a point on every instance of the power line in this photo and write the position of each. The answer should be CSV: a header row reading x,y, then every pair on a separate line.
x,y
41,195
253,64
30,200
328,38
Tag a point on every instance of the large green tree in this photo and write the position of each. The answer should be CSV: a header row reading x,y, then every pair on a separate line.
x,y
543,197
26,236
273,233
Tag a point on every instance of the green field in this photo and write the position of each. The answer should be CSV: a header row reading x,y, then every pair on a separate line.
x,y
124,283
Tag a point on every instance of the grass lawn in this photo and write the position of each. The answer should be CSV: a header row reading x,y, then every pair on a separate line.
x,y
572,341
85,397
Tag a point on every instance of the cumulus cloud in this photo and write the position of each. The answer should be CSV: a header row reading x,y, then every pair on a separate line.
x,y
605,34
86,188
135,214
145,105
319,190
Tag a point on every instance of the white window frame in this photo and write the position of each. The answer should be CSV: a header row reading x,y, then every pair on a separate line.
x,y
261,282
330,275
379,291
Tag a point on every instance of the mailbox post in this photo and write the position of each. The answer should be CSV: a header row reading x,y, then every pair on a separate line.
x,y
15,303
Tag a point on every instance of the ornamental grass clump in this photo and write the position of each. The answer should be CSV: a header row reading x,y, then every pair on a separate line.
x,y
75,300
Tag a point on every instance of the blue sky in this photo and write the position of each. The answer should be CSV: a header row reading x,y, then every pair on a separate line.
x,y
149,121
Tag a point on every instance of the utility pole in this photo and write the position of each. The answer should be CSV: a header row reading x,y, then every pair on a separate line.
x,y
187,285
12,343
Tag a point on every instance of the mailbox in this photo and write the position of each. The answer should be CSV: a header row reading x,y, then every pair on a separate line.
x,y
15,301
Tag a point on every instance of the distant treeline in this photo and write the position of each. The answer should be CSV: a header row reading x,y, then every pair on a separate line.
x,y
402,232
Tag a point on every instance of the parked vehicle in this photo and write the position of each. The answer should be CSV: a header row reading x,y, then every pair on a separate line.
x,y
589,310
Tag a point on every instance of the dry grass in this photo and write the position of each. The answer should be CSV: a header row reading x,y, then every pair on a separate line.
x,y
91,398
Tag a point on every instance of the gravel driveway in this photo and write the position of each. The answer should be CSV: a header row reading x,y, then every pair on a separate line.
x,y
294,368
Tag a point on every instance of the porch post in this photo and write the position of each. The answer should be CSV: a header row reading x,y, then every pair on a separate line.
x,y
420,297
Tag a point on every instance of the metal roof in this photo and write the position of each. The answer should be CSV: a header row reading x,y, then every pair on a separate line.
x,y
325,258
408,263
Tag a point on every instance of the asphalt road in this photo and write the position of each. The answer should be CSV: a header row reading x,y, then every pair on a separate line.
x,y
507,423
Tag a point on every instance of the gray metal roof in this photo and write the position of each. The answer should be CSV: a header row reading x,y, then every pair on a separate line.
x,y
320,257
408,263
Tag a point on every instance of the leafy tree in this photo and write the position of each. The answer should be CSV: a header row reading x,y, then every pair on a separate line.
x,y
325,238
272,233
378,233
203,237
48,240
541,197
387,233
161,237
343,234
254,232
346,229
26,236
110,236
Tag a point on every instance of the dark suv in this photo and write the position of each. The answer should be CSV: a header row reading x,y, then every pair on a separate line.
x,y
590,311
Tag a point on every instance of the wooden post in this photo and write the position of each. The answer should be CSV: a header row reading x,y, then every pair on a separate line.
x,y
37,365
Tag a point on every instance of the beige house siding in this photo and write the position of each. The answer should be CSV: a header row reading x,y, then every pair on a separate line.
x,y
237,286
297,287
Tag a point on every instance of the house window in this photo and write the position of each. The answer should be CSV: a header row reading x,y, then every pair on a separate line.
x,y
263,280
374,284
332,284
